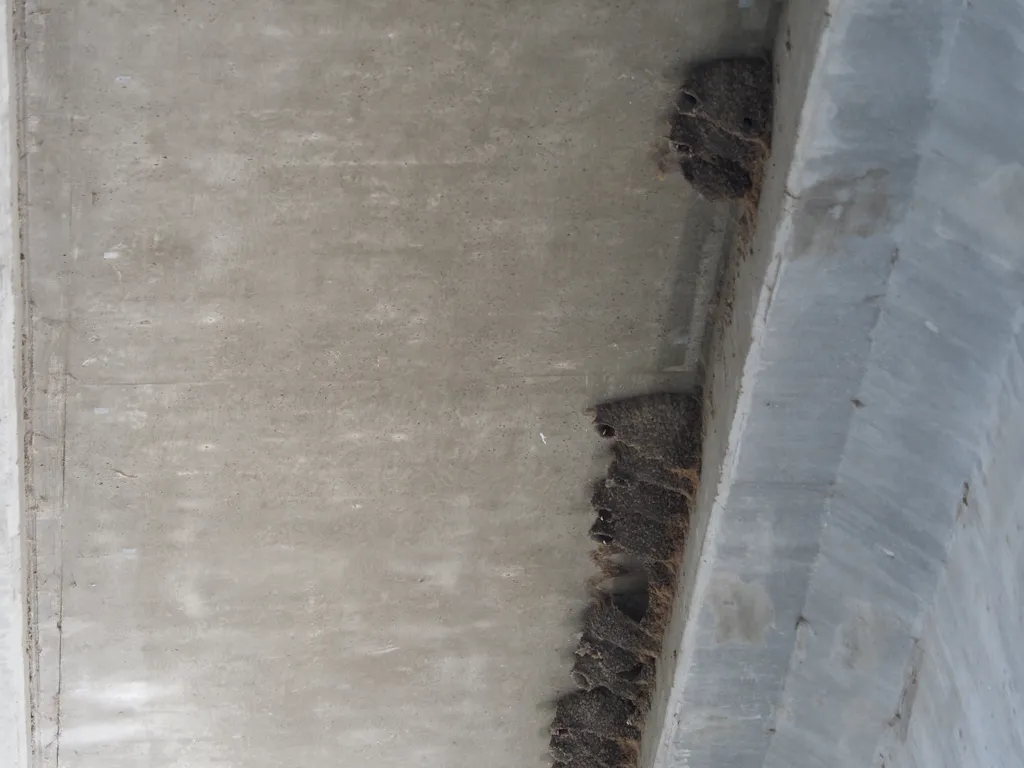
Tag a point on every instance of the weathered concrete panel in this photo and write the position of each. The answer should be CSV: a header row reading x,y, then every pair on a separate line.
x,y
880,393
13,518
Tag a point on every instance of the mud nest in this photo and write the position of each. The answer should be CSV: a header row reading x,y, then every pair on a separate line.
x,y
721,130
642,507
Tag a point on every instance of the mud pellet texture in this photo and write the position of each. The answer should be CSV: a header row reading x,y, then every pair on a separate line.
x,y
642,512
722,127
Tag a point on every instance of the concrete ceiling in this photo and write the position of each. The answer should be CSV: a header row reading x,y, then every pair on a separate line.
x,y
319,292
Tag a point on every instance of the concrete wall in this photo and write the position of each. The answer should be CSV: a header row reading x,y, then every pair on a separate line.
x,y
13,669
855,598
964,701
309,462
320,293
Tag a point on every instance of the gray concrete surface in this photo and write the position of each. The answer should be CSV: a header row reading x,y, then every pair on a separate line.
x,y
14,727
319,294
856,599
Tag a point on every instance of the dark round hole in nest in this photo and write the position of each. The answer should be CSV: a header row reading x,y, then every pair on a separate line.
x,y
633,604
632,675
687,100
605,430
748,124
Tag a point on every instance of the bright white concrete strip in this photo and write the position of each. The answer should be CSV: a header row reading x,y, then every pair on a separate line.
x,y
13,689
857,595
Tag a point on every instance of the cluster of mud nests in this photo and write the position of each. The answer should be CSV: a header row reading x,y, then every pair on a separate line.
x,y
721,135
721,130
642,508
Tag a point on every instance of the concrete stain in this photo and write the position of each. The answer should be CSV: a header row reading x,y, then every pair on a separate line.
x,y
744,611
857,206
859,640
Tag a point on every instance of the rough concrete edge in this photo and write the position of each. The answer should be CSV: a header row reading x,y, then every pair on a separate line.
x,y
13,620
735,358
